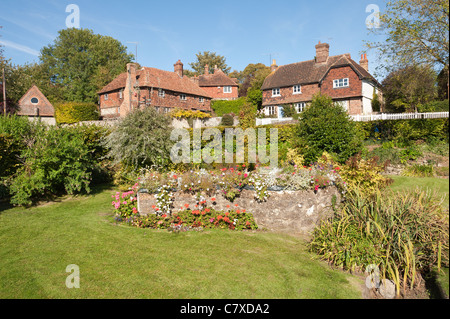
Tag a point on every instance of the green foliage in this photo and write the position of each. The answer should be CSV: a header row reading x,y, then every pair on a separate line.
x,y
211,59
82,62
419,171
57,160
141,139
364,175
409,154
74,112
9,155
434,106
326,126
404,234
376,104
227,120
222,107
290,111
247,116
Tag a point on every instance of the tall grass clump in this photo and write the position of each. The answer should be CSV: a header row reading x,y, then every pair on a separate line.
x,y
405,234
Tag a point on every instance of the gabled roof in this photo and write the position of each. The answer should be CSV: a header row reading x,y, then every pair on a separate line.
x,y
308,72
218,78
156,78
27,108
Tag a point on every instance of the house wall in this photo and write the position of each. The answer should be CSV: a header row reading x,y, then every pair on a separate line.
x,y
30,109
308,90
353,90
171,99
217,92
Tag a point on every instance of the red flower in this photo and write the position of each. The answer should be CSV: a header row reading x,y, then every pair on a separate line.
x,y
153,206
174,176
186,205
228,206
213,199
219,217
226,214
236,205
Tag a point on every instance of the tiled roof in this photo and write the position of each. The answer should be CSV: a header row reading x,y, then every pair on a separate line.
x,y
217,79
151,77
311,72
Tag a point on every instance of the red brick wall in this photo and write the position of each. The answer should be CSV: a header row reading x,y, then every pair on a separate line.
x,y
355,84
172,100
308,90
113,100
28,108
217,93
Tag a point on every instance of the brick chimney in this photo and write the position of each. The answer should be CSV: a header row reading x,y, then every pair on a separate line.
x,y
206,69
364,62
178,68
215,69
322,52
274,66
130,95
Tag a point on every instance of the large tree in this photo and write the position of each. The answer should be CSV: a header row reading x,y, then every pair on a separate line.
x,y
211,59
406,88
417,33
82,62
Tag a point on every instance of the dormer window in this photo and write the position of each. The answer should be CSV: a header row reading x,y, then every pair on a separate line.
x,y
276,92
297,89
340,83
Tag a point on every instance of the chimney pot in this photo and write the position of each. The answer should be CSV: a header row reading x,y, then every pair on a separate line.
x,y
178,68
364,62
206,69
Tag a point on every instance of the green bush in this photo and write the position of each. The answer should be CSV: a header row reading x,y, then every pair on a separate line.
x,y
222,107
419,171
435,106
141,139
404,234
326,126
57,161
74,112
227,120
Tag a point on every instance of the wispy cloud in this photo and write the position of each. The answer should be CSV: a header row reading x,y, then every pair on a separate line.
x,y
19,47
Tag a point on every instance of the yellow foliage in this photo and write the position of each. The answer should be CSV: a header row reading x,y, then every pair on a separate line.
x,y
294,156
189,114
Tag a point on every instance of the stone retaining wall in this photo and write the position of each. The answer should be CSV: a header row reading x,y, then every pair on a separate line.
x,y
294,212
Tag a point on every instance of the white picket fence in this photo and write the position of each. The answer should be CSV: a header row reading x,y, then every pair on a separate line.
x,y
368,118
399,116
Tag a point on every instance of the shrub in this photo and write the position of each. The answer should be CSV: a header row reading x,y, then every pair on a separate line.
x,y
435,106
227,120
189,114
326,126
141,139
364,175
404,234
56,161
74,112
419,171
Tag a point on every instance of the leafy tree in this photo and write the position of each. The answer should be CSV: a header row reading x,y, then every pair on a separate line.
x,y
141,139
406,88
208,58
250,76
417,33
254,92
326,126
83,62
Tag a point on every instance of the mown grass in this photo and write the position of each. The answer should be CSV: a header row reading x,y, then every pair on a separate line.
x,y
116,261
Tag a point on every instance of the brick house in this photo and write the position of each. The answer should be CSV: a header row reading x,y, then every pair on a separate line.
x,y
150,87
339,77
218,84
34,104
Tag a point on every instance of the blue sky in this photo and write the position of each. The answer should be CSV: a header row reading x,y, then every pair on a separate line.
x,y
242,31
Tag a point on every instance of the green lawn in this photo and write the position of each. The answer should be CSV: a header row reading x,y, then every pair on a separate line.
x,y
116,261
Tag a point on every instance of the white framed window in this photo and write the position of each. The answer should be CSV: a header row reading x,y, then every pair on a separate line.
x,y
120,94
227,89
183,97
106,97
276,92
297,89
201,99
161,93
300,107
340,83
166,109
271,110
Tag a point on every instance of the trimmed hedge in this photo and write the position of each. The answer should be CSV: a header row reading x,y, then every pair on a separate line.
x,y
74,112
222,107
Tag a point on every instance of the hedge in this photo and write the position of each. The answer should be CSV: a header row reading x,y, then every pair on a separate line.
x,y
74,112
